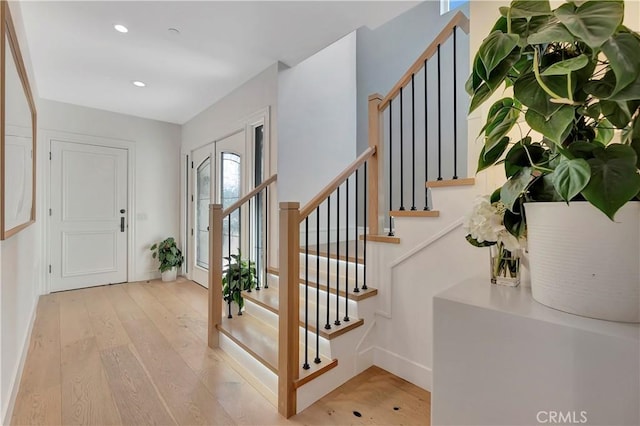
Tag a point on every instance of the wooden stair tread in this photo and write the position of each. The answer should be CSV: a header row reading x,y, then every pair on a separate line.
x,y
268,299
261,341
414,213
323,250
363,294
381,239
450,182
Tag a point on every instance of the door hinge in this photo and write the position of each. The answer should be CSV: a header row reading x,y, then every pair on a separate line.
x,y
192,232
49,268
192,198
50,212
49,155
192,164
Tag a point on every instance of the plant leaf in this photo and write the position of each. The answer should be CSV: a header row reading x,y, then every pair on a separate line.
x,y
604,132
475,242
495,48
488,159
482,94
515,187
554,31
529,92
593,22
623,50
570,177
528,9
556,127
514,223
503,115
614,178
567,66
517,157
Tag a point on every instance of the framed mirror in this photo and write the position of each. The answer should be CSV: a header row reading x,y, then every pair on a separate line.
x,y
17,135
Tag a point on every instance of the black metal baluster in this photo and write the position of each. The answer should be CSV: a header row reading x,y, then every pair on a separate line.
x,y
356,289
346,265
455,109
337,321
258,224
426,138
413,144
327,326
229,293
238,289
390,170
317,360
266,237
249,230
439,121
401,149
364,261
306,294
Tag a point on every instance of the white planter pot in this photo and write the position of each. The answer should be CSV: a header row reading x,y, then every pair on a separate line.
x,y
170,275
583,263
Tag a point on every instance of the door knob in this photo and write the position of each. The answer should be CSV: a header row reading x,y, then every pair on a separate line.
x,y
122,211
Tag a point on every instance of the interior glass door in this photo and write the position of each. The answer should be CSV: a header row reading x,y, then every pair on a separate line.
x,y
203,199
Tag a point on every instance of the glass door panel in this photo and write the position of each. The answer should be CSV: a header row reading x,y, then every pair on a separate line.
x,y
203,197
230,192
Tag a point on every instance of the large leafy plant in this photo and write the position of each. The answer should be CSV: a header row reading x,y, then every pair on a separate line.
x,y
238,275
575,76
168,254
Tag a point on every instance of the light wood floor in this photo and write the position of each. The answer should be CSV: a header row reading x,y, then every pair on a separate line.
x,y
136,354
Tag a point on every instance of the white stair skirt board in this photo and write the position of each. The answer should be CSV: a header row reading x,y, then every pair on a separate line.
x,y
263,379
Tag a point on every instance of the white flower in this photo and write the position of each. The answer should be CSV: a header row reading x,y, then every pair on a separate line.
x,y
484,222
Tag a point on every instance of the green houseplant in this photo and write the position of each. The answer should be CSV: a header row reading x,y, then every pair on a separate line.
x,y
238,275
573,75
170,257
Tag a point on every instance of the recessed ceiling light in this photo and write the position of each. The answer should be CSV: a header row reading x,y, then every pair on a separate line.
x,y
174,31
138,83
121,28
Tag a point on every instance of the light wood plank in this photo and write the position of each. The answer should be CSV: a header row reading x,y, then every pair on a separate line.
x,y
136,398
450,182
374,176
38,401
86,395
215,274
381,239
74,318
189,401
104,322
414,213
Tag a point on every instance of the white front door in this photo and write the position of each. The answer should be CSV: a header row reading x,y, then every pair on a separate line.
x,y
89,215
218,177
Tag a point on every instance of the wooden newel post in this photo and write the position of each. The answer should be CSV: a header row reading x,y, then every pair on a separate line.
x,y
215,272
289,288
375,165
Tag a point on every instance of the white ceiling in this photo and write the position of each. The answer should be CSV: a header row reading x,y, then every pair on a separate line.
x,y
79,58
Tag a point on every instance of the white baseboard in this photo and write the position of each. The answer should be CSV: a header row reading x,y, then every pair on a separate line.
x,y
7,410
418,374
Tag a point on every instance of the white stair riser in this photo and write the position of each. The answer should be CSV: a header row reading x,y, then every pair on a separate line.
x,y
271,319
333,264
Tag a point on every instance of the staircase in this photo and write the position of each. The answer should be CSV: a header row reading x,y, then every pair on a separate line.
x,y
309,326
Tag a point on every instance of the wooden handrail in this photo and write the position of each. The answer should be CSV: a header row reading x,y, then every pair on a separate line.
x,y
250,195
460,21
335,183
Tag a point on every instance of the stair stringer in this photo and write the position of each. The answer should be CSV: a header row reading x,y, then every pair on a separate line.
x,y
432,256
352,359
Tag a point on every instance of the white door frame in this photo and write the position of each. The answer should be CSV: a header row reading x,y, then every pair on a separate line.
x,y
55,135
246,124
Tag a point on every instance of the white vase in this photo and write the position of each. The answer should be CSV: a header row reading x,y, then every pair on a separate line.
x,y
583,263
170,275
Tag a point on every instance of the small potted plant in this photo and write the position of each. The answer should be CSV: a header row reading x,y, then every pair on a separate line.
x,y
238,275
170,257
573,74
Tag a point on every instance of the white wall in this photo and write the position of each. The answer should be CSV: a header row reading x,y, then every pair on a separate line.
x,y
316,120
21,273
230,114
